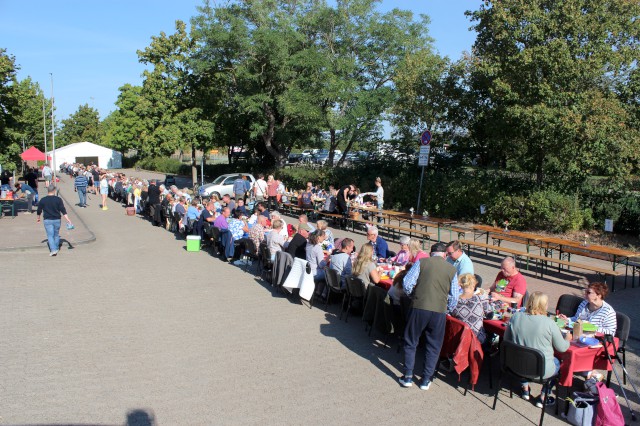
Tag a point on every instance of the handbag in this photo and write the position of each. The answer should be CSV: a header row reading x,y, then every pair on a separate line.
x,y
582,409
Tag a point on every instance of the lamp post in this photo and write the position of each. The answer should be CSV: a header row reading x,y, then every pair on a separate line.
x,y
53,134
44,127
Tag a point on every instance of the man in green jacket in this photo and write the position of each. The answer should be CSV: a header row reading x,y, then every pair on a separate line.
x,y
432,284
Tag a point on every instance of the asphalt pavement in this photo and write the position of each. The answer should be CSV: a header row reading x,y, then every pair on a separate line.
x,y
127,327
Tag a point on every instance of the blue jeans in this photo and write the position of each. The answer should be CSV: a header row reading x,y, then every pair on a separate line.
x,y
52,226
82,195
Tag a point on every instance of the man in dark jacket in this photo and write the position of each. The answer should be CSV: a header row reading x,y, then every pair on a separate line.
x,y
432,284
298,245
154,203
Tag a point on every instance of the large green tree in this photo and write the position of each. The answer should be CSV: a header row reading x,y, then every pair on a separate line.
x,y
82,126
549,68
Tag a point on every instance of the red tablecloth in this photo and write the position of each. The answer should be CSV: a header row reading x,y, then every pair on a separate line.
x,y
575,359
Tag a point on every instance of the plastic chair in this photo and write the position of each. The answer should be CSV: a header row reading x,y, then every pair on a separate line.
x,y
355,291
332,278
568,304
523,363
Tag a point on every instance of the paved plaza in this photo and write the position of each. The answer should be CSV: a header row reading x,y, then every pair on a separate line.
x,y
125,326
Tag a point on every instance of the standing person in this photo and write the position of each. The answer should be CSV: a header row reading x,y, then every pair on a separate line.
x,y
260,188
153,200
458,258
239,187
53,209
433,286
342,198
272,192
80,186
32,179
104,191
47,174
306,198
96,179
25,191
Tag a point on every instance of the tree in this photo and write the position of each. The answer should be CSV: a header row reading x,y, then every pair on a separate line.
x,y
548,68
124,128
81,126
9,148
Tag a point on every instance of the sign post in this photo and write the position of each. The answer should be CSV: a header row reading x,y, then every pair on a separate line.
x,y
423,158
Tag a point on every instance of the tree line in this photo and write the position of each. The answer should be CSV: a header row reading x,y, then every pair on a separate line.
x,y
549,88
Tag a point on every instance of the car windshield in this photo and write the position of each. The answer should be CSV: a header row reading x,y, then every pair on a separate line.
x,y
219,180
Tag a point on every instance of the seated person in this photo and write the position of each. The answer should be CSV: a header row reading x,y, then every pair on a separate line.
x,y
192,212
262,209
226,241
404,254
595,310
471,308
305,200
396,291
379,244
303,218
315,255
274,238
509,285
240,206
415,248
534,329
237,226
365,268
341,260
323,225
298,245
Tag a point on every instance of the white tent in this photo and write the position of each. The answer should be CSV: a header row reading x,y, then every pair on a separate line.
x,y
86,153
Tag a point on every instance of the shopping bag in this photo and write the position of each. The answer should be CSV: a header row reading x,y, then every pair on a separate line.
x,y
582,408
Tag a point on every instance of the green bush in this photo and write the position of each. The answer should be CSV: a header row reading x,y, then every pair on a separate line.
x,y
161,164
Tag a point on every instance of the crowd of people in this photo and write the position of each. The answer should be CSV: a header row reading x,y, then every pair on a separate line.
x,y
438,282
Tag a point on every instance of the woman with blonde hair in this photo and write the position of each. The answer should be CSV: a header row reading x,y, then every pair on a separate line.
x,y
323,225
415,250
365,268
471,308
534,329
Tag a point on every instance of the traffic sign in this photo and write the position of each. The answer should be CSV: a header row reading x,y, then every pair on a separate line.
x,y
423,156
425,139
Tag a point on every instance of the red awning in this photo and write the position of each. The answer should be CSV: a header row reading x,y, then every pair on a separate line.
x,y
33,154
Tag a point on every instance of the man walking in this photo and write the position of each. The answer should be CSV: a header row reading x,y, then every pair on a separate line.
x,y
53,208
80,186
432,284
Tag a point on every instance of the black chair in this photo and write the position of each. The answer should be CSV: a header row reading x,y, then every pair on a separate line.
x,y
266,265
250,252
523,363
391,253
214,235
355,291
175,223
622,333
332,277
568,304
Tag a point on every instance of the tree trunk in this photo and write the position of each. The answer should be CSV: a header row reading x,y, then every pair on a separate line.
x,y
268,138
332,147
194,165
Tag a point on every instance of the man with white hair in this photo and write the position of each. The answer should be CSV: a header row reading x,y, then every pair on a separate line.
x,y
275,215
433,286
380,246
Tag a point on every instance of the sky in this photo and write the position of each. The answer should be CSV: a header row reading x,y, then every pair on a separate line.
x,y
86,49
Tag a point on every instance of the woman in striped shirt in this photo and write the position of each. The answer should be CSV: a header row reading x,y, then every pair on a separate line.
x,y
596,311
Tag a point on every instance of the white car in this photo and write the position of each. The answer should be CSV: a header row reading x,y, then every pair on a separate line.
x,y
223,185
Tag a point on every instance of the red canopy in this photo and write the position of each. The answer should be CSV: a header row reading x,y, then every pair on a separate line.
x,y
33,154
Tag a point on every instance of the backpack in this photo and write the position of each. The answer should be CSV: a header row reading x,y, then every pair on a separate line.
x,y
608,412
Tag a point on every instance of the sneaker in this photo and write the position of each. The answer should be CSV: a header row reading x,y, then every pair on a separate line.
x,y
105,208
240,262
549,402
525,394
53,253
425,384
405,382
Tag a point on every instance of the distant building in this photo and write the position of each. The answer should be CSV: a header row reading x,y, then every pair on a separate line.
x,y
88,153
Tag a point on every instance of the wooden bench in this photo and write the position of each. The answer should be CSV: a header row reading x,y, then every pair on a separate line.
x,y
543,261
394,232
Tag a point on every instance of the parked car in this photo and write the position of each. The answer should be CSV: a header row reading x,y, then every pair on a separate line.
x,y
169,180
223,185
322,156
295,157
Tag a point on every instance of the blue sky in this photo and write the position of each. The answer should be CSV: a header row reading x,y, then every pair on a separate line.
x,y
90,46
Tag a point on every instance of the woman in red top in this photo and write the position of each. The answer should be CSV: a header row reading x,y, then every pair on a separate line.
x,y
272,192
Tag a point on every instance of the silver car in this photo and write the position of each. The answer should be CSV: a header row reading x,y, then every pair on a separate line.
x,y
223,185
